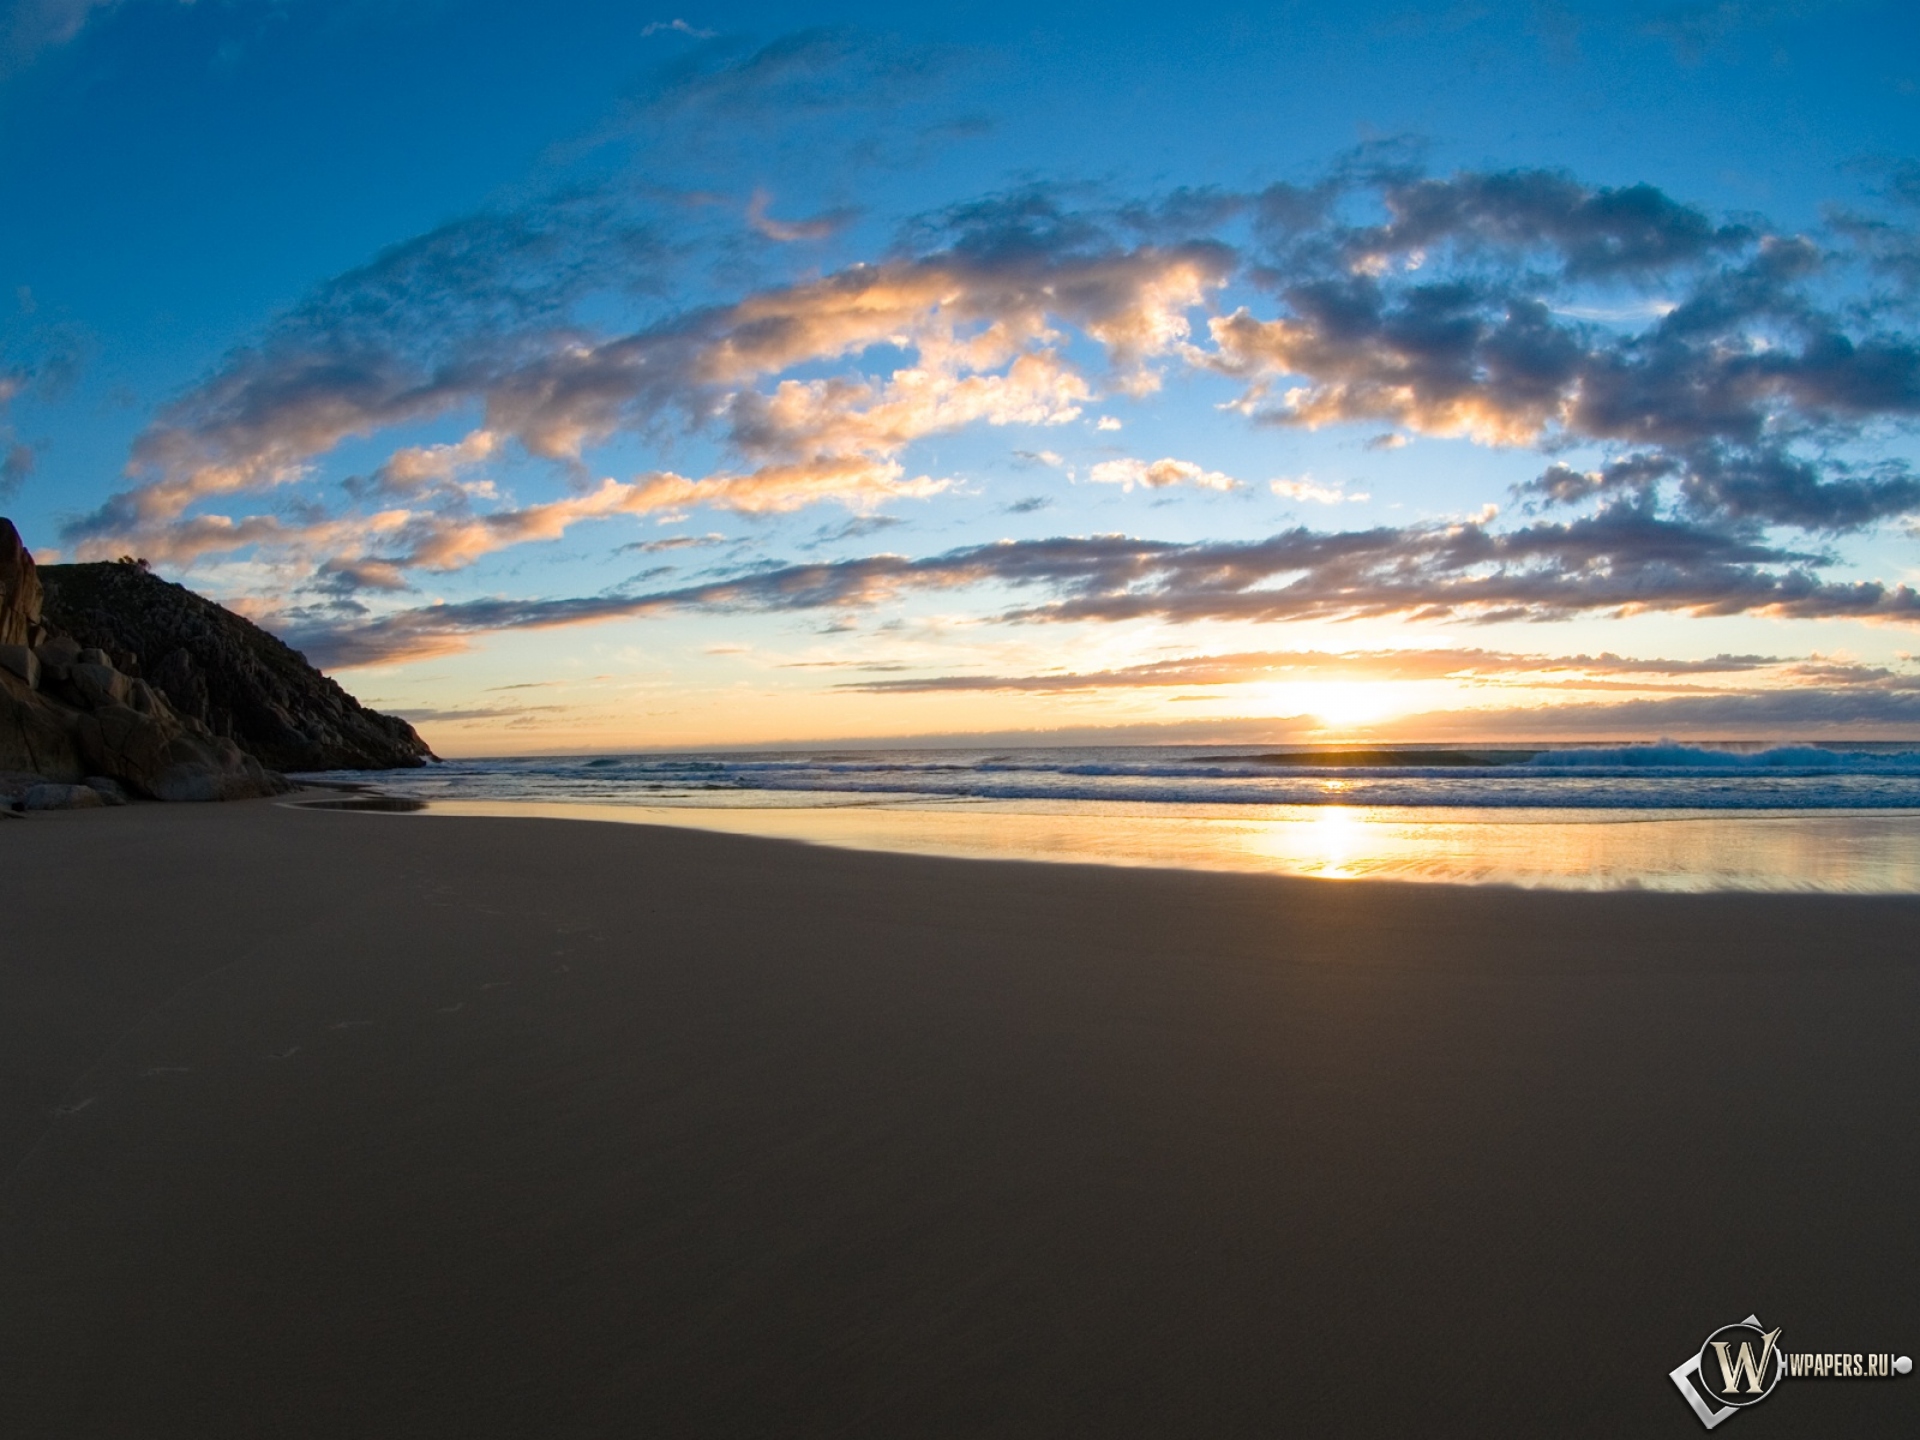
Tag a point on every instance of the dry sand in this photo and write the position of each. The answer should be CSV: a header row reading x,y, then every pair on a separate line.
x,y
347,1125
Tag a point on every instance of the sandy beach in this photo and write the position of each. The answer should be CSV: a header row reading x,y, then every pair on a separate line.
x,y
317,1123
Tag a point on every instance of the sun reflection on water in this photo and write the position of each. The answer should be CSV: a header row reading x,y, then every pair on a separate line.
x,y
1875,852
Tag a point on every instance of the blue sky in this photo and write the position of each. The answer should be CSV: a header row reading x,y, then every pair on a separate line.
x,y
585,376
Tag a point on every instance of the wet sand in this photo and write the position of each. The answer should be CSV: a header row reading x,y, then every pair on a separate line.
x,y
331,1124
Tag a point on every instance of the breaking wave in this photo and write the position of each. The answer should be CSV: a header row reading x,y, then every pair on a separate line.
x,y
1664,775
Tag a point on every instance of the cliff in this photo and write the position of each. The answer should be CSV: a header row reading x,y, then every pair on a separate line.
x,y
224,671
112,676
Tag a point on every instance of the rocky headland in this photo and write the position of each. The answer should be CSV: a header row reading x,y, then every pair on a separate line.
x,y
116,683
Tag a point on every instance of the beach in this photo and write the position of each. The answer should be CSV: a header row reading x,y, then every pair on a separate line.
x,y
317,1123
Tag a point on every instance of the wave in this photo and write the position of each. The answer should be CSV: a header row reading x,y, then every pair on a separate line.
x,y
1672,755
1665,775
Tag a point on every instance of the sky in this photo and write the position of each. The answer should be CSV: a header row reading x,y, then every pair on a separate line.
x,y
596,376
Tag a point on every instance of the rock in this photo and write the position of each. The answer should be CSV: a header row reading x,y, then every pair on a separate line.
x,y
21,661
108,789
223,671
36,735
99,683
62,797
20,590
58,653
201,781
14,785
74,702
161,757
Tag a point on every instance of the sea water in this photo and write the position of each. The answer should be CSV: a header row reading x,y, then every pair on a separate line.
x,y
1660,815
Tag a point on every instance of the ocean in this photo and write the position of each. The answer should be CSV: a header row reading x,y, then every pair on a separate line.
x,y
1660,815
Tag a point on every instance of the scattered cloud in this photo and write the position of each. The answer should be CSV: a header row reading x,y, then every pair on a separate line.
x,y
28,27
980,327
1698,389
858,528
819,227
1472,667
476,712
680,27
1305,487
1623,560
672,542
17,461
1159,474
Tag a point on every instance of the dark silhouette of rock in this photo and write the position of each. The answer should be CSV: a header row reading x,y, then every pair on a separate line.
x,y
221,670
19,589
88,722
78,715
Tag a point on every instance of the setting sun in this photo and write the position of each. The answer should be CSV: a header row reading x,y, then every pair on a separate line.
x,y
1338,703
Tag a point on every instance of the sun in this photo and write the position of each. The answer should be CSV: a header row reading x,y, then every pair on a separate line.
x,y
1336,703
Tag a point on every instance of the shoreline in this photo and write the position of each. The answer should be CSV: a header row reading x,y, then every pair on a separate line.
x,y
1867,851
334,1125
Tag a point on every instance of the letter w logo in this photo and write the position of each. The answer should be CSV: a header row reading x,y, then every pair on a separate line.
x,y
1744,1366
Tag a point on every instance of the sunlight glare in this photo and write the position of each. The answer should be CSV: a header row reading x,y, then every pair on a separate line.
x,y
1337,703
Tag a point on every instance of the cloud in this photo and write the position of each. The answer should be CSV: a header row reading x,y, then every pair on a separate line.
x,y
17,458
857,528
1159,474
1587,231
418,468
1452,319
1468,666
1623,560
31,26
1304,488
820,227
1720,380
672,542
1758,713
1763,484
977,318
17,461
478,712
657,27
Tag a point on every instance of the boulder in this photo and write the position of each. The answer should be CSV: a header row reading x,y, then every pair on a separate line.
x,y
37,736
93,721
22,662
160,756
99,683
20,596
62,797
108,789
58,652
